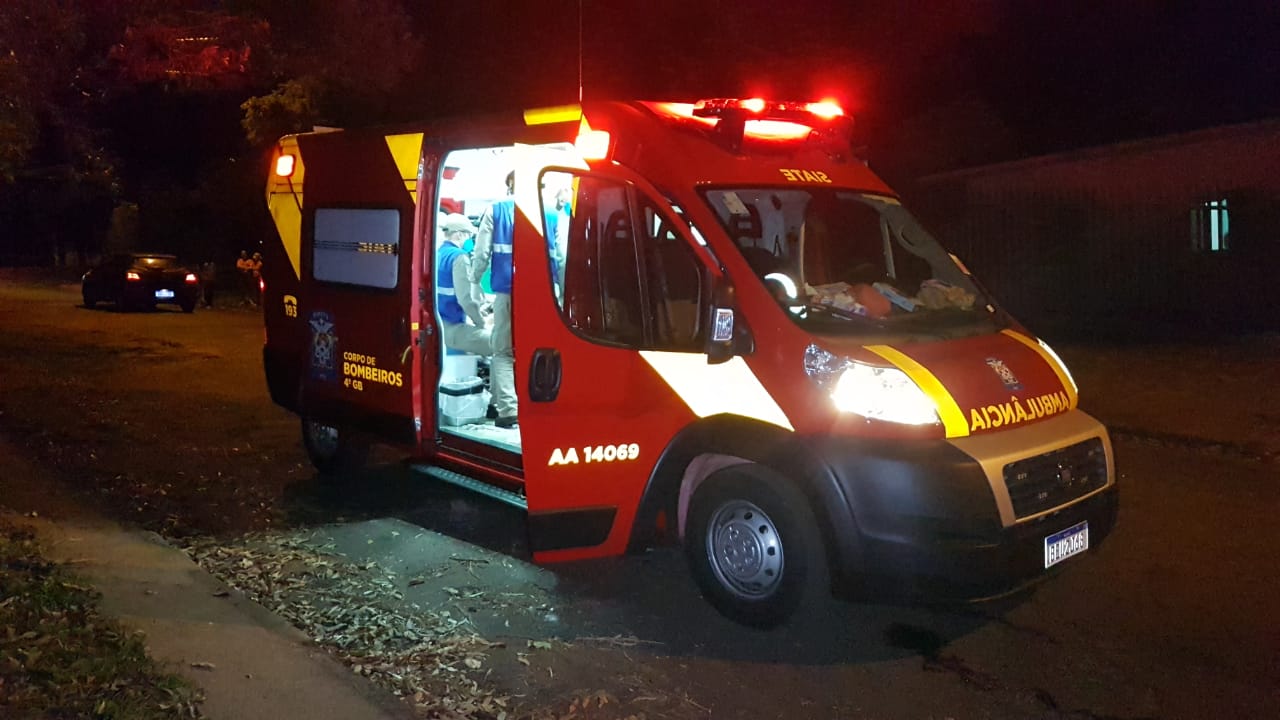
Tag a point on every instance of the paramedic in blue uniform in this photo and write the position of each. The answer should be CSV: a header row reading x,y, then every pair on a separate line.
x,y
458,300
493,252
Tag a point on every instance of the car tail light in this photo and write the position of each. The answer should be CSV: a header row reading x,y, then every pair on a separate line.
x,y
190,279
262,285
132,276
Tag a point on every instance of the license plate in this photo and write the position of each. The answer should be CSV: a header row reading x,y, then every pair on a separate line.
x,y
1062,545
164,294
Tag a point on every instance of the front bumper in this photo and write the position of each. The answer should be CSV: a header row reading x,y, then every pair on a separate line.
x,y
933,520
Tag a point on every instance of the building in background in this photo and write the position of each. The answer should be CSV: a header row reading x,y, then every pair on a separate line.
x,y
1178,234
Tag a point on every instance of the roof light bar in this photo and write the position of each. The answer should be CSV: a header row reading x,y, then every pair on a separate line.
x,y
761,109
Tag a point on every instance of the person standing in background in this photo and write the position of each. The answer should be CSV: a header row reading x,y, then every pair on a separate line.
x,y
208,282
494,249
244,274
255,279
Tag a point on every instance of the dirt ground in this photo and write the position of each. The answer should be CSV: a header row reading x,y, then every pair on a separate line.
x,y
1222,395
162,420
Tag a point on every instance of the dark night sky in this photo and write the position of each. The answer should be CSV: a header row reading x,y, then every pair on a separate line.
x,y
1056,74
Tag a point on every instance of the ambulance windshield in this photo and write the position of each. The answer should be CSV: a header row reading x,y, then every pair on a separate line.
x,y
849,262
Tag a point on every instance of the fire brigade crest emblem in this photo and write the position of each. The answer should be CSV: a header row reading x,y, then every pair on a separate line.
x,y
1006,375
324,346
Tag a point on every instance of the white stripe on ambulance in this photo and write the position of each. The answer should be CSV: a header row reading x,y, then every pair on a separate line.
x,y
729,387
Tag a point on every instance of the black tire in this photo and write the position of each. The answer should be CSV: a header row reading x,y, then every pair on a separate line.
x,y
331,450
754,547
89,300
188,307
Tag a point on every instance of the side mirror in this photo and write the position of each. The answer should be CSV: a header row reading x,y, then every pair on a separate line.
x,y
729,334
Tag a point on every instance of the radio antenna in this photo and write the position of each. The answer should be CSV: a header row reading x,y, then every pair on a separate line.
x,y
579,52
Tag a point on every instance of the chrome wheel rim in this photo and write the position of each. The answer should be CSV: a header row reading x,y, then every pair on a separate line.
x,y
745,550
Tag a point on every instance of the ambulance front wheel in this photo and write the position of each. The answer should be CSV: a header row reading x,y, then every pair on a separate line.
x,y
754,548
332,450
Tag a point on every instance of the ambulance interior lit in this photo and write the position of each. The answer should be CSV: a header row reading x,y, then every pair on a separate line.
x,y
471,181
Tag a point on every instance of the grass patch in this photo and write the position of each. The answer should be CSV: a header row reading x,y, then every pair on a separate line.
x,y
60,658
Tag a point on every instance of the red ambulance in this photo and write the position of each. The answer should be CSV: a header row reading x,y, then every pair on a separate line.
x,y
727,332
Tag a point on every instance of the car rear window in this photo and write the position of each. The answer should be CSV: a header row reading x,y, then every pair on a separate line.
x,y
160,262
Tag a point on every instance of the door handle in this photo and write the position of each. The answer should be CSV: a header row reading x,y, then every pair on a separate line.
x,y
544,375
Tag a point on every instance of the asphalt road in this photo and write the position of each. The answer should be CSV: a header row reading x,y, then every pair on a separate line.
x,y
162,420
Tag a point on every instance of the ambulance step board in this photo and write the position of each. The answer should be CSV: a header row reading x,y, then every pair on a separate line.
x,y
469,483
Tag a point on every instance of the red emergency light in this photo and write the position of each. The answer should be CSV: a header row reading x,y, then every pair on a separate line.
x,y
828,109
761,109
191,279
592,144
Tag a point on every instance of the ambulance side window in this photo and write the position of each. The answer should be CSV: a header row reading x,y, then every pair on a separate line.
x,y
601,295
629,277
674,281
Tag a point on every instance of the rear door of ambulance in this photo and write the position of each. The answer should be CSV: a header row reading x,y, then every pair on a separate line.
x,y
595,411
356,265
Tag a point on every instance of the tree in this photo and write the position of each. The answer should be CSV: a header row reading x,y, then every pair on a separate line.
x,y
42,81
194,49
74,96
63,177
289,108
19,124
339,62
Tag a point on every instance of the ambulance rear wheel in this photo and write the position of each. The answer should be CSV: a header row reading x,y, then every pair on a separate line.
x,y
753,547
332,450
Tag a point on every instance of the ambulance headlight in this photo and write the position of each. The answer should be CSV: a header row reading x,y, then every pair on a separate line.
x,y
874,392
883,394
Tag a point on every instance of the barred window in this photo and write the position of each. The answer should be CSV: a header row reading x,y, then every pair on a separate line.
x,y
1210,227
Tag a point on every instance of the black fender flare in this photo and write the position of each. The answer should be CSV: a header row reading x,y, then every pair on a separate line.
x,y
789,455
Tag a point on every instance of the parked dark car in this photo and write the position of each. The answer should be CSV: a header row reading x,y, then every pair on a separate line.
x,y
141,280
